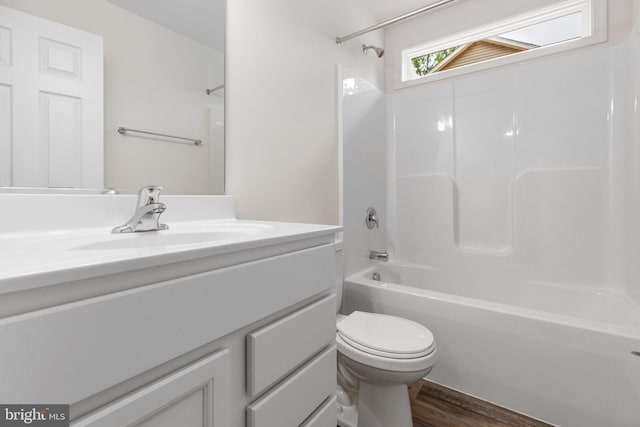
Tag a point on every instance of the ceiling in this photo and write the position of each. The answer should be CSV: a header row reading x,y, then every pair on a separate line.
x,y
383,10
200,20
203,20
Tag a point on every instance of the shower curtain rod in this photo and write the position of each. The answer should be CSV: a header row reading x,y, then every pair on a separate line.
x,y
340,40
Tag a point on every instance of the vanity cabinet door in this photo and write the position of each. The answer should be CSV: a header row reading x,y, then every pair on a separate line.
x,y
194,396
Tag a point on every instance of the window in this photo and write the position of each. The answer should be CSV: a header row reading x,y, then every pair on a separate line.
x,y
563,26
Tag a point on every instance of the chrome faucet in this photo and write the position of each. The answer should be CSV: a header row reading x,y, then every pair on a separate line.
x,y
147,214
380,256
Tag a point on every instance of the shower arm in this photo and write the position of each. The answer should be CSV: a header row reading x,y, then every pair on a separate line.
x,y
340,40
212,91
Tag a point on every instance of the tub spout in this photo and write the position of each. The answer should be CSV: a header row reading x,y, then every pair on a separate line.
x,y
380,256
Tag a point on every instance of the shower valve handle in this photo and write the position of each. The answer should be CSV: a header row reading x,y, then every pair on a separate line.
x,y
371,219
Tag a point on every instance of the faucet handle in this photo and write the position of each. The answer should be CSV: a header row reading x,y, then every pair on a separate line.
x,y
149,194
371,219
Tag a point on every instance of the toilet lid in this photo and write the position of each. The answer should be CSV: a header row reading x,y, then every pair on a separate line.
x,y
385,335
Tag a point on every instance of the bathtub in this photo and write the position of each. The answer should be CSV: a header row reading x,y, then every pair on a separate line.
x,y
561,354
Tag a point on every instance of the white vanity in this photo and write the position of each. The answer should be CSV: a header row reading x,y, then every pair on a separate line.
x,y
213,322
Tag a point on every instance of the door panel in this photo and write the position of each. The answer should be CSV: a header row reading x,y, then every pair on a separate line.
x,y
54,77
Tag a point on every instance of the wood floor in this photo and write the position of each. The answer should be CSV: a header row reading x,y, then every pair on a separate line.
x,y
433,405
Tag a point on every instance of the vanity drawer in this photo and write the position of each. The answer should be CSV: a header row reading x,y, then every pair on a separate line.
x,y
291,402
325,416
280,347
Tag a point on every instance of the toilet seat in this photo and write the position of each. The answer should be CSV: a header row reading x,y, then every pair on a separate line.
x,y
386,336
380,353
385,342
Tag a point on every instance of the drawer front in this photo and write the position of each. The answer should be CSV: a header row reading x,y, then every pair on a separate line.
x,y
291,402
282,346
325,416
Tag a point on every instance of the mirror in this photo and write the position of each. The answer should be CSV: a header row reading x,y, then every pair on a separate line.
x,y
161,71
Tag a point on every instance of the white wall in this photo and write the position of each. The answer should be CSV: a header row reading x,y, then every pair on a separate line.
x,y
282,124
154,80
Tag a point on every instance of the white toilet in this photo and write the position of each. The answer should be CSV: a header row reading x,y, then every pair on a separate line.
x,y
378,355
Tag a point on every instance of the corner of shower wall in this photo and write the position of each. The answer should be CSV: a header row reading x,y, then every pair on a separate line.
x,y
364,171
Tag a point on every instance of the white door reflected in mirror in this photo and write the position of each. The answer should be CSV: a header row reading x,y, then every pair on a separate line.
x,y
51,104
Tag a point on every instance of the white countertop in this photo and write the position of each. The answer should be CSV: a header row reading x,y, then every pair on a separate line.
x,y
53,239
30,260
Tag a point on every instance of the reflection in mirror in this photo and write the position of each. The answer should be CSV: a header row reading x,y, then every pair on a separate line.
x,y
72,73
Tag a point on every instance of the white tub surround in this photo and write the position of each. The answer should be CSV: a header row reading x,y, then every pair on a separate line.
x,y
512,194
156,319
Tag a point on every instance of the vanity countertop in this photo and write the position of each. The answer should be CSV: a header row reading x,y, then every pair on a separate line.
x,y
60,247
30,260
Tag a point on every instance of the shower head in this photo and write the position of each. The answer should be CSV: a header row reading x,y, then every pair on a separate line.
x,y
379,51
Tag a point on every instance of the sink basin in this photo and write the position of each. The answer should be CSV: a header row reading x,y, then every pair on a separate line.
x,y
179,236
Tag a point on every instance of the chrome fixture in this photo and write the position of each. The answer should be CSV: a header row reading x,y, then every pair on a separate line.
x,y
371,219
379,256
147,214
379,50
124,131
340,40
376,277
214,90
